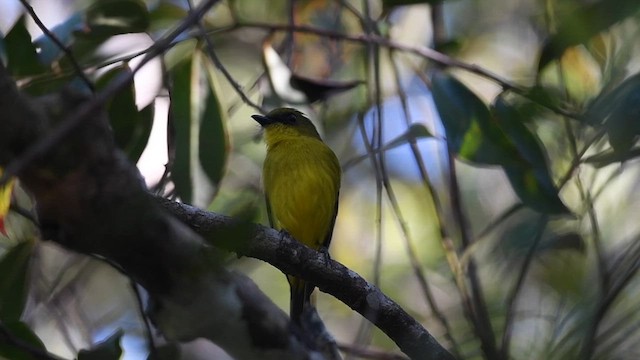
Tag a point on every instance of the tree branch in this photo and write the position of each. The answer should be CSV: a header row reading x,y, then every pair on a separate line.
x,y
90,199
290,256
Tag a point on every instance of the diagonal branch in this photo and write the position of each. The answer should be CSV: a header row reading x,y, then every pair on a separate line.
x,y
293,258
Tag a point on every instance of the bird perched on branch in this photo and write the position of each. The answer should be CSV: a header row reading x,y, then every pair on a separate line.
x,y
301,178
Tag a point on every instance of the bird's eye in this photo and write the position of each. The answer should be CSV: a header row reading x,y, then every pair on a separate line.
x,y
290,119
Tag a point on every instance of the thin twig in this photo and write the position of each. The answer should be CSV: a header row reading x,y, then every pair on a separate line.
x,y
372,62
415,263
67,52
451,253
513,296
148,332
483,327
421,51
225,72
364,327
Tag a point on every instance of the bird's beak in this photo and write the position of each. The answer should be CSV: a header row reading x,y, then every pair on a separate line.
x,y
262,120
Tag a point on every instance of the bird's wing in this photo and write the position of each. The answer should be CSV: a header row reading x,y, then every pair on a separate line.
x,y
272,221
329,234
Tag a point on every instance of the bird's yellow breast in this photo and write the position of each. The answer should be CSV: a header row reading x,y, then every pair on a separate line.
x,y
302,181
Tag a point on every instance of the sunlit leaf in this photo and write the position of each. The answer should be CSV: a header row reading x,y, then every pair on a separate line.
x,y
22,57
14,267
131,127
108,349
22,332
584,23
471,133
113,17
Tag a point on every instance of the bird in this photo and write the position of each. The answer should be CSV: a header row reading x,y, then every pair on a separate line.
x,y
301,178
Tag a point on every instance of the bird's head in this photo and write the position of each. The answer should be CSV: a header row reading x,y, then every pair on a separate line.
x,y
286,122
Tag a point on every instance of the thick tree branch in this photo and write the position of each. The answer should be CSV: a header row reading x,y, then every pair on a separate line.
x,y
329,276
92,200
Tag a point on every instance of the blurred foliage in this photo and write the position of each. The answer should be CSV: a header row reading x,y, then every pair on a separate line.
x,y
534,103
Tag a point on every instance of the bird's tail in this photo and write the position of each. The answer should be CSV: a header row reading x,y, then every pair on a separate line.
x,y
300,297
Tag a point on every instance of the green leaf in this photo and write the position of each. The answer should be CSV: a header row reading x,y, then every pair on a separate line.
x,y
511,122
14,280
164,15
607,101
197,118
114,17
565,241
623,125
22,332
109,349
140,137
471,133
584,23
530,176
619,110
131,128
534,190
22,57
414,132
213,141
180,119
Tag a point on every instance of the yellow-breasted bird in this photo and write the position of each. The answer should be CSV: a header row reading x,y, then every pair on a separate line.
x,y
301,178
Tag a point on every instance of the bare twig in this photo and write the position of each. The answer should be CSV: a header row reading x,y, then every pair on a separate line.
x,y
67,52
148,332
225,72
482,322
413,258
421,51
513,296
